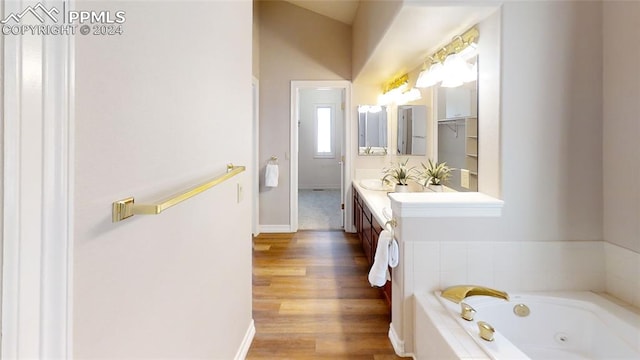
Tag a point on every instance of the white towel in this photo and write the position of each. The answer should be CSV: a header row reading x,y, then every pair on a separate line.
x,y
393,253
271,175
379,273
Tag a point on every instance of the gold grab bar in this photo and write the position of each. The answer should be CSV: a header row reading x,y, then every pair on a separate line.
x,y
126,208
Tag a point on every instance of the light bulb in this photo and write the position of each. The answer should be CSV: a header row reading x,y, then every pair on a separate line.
x,y
430,77
383,99
454,71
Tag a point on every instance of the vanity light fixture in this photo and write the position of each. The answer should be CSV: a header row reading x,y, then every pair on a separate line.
x,y
392,90
469,51
455,71
363,109
408,96
449,64
397,83
375,109
430,76
389,97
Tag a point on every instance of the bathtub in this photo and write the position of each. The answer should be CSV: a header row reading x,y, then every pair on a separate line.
x,y
562,325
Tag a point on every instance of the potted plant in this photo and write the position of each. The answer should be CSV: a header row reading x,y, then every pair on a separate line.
x,y
399,173
435,174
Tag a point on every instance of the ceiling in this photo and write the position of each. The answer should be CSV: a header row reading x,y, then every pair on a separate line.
x,y
419,29
416,32
341,10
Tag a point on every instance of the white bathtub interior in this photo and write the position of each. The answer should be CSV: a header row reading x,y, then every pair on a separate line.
x,y
561,325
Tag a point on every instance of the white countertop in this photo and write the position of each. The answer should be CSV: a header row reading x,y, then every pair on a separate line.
x,y
445,204
429,204
376,201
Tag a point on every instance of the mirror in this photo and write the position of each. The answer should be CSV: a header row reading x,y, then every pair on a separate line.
x,y
412,130
458,133
372,130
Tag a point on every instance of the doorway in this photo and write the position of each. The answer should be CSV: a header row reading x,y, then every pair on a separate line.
x,y
320,128
319,139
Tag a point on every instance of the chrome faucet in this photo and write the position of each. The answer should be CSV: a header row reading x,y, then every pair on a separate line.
x,y
460,292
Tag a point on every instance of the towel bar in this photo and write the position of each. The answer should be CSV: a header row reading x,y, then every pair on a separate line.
x,y
393,222
126,208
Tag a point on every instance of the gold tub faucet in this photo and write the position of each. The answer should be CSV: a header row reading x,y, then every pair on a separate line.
x,y
466,311
460,292
486,331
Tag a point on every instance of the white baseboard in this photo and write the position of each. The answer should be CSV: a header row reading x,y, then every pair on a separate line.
x,y
246,342
275,228
350,229
398,345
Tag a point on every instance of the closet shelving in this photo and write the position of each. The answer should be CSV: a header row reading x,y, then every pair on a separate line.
x,y
457,110
471,150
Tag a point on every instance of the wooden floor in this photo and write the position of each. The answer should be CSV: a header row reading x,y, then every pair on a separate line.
x,y
312,300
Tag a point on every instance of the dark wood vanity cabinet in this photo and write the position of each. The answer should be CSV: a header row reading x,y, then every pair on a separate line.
x,y
368,230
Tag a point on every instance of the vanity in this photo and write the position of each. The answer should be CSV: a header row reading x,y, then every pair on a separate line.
x,y
371,212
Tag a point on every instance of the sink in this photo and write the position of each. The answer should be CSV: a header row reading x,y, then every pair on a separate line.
x,y
387,213
375,184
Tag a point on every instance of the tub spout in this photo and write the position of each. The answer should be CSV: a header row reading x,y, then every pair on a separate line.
x,y
460,292
486,331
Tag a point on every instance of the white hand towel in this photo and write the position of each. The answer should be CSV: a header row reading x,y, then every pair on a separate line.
x,y
379,273
271,175
393,253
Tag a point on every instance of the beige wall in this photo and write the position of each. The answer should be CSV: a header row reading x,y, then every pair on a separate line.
x,y
621,125
551,152
295,44
164,106
369,26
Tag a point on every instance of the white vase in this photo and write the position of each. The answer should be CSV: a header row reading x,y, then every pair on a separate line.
x,y
402,188
435,188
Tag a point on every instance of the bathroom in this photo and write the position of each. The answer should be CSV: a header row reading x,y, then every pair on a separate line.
x,y
558,150
546,95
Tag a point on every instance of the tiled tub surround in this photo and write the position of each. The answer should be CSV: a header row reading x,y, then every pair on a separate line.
x,y
526,266
461,239
622,273
521,266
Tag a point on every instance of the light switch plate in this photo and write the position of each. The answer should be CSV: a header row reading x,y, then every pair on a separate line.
x,y
464,178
